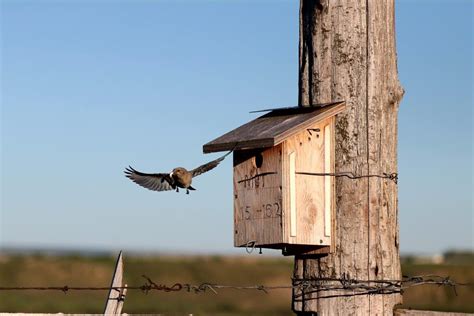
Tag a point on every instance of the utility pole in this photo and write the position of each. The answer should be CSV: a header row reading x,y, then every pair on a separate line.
x,y
347,52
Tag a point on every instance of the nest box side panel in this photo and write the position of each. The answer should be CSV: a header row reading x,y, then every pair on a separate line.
x,y
308,199
257,197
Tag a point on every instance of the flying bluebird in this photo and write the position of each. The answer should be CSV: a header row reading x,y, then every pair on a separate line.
x,y
178,178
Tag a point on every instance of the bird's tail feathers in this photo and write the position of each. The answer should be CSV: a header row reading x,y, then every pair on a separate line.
x,y
191,188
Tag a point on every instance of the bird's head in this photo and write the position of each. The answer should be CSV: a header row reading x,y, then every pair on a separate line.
x,y
177,172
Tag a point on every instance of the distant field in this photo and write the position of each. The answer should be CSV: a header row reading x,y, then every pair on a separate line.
x,y
97,271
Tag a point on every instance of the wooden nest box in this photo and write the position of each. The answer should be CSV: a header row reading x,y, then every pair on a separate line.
x,y
276,205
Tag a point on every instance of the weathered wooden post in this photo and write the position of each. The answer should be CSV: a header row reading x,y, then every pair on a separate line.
x,y
347,52
115,299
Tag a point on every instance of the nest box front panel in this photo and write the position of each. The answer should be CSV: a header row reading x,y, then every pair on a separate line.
x,y
308,199
258,196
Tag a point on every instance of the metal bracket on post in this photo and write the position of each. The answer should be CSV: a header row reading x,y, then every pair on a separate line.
x,y
116,297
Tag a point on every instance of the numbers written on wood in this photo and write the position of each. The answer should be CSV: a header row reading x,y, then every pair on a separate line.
x,y
268,210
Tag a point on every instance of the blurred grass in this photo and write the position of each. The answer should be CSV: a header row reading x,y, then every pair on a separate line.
x,y
440,298
28,270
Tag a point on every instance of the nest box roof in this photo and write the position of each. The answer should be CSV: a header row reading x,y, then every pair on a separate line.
x,y
273,128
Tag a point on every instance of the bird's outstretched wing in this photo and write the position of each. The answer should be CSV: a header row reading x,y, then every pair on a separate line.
x,y
151,181
208,166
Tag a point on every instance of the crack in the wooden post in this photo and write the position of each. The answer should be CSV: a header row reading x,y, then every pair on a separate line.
x,y
367,135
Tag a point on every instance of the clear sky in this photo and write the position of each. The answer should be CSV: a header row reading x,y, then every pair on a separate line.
x,y
89,87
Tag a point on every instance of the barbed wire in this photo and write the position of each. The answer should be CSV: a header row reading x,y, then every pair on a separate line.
x,y
390,176
366,287
302,287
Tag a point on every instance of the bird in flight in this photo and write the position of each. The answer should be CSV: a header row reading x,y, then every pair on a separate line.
x,y
178,178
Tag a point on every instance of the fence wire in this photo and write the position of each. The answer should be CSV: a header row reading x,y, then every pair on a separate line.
x,y
323,287
347,174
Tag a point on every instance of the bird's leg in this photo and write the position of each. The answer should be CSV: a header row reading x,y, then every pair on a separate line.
x,y
177,189
187,191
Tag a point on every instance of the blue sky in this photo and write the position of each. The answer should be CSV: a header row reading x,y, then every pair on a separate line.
x,y
89,87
